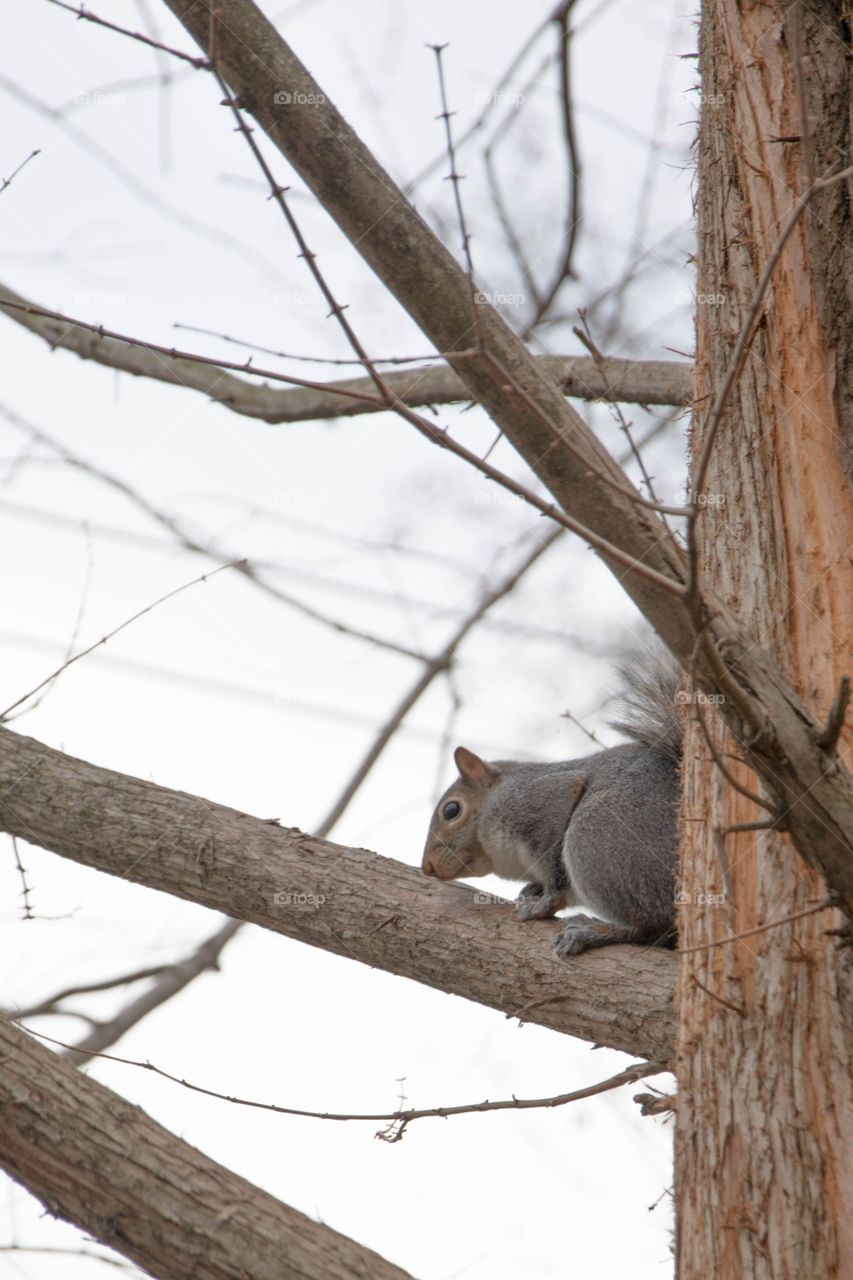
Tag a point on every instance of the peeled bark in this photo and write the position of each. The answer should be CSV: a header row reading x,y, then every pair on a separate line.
x,y
347,901
764,1152
95,1160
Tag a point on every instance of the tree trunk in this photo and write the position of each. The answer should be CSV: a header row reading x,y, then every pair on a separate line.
x,y
764,1152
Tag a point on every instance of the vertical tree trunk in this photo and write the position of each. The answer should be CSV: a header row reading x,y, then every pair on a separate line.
x,y
764,1152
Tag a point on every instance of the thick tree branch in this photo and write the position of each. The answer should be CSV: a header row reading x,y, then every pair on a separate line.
x,y
631,381
347,901
95,1160
813,789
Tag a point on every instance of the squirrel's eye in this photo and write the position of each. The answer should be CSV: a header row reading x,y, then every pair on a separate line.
x,y
451,810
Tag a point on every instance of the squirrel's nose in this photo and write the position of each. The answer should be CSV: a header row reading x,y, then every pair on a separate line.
x,y
427,868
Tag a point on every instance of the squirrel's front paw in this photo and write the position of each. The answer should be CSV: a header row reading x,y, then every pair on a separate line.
x,y
534,903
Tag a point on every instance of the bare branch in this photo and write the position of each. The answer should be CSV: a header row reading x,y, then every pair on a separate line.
x,y
25,888
208,953
88,16
397,1120
347,901
75,657
170,981
433,668
631,381
828,904
110,634
107,1167
191,542
51,1003
761,706
125,175
5,182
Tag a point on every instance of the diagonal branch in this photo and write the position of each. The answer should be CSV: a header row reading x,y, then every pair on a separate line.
x,y
814,790
347,901
104,1165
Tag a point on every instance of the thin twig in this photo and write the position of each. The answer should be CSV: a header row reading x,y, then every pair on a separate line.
x,y
583,334
723,767
564,270
638,1071
172,980
434,667
455,178
200,64
735,1008
826,905
204,577
72,1253
78,621
49,1004
212,551
25,888
5,182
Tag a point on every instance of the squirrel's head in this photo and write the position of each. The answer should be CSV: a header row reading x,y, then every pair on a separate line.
x,y
452,848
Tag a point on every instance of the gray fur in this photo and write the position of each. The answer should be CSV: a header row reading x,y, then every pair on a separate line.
x,y
599,831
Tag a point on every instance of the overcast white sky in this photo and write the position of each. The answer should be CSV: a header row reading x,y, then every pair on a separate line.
x,y
142,210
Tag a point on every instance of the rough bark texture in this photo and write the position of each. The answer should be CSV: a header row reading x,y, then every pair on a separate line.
x,y
276,89
764,1153
95,1160
347,901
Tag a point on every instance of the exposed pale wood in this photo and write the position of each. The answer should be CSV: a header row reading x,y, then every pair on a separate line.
x,y
764,1176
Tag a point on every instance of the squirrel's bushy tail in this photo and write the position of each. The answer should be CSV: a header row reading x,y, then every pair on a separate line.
x,y
647,697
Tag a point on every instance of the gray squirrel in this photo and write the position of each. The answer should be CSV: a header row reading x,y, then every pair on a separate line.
x,y
599,831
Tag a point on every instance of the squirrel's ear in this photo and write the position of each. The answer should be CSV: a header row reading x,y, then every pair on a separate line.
x,y
472,769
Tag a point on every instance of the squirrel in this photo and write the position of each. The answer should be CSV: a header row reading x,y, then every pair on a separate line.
x,y
599,831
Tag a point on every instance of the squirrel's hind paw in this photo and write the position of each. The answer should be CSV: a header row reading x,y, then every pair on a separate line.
x,y
580,933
